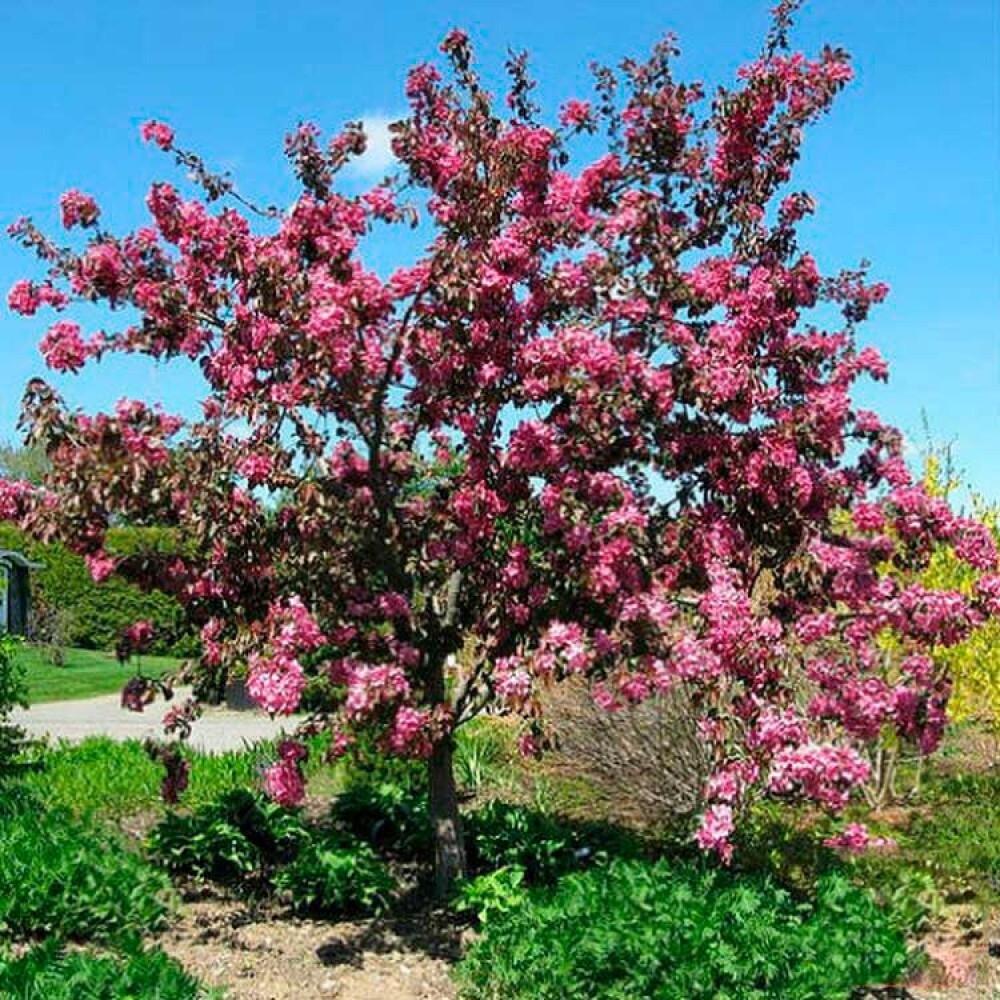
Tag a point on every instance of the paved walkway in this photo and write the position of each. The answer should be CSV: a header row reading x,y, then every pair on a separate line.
x,y
218,728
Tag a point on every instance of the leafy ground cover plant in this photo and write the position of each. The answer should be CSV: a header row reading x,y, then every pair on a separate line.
x,y
66,877
386,815
333,876
541,845
239,834
665,932
48,972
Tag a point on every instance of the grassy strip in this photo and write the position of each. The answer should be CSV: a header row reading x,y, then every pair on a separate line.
x,y
86,673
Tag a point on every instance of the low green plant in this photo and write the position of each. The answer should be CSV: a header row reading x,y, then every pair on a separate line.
x,y
239,834
387,815
957,837
545,846
662,932
504,835
49,972
111,779
491,895
74,879
485,755
335,877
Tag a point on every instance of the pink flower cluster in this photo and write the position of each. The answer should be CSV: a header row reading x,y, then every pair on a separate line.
x,y
276,683
856,838
283,780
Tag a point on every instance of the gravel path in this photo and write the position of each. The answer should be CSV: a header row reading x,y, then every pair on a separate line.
x,y
218,729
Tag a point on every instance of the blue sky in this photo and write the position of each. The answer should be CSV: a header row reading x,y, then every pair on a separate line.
x,y
906,170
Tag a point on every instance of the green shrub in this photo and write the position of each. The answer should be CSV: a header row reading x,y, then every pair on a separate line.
x,y
544,846
48,972
72,879
633,930
386,815
13,694
238,834
502,835
95,613
112,779
97,776
335,877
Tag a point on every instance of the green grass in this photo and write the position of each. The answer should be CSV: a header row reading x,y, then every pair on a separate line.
x,y
102,777
87,673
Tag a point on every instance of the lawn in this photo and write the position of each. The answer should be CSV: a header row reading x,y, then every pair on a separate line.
x,y
87,672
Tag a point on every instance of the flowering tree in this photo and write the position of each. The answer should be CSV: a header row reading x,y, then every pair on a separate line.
x,y
593,429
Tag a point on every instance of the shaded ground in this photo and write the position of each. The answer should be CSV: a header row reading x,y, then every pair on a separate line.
x,y
258,957
218,729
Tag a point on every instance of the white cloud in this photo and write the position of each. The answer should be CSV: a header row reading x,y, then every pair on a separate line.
x,y
377,160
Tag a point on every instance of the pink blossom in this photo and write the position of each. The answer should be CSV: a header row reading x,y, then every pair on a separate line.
x,y
78,209
157,132
715,830
283,783
276,683
574,114
856,839
101,567
63,347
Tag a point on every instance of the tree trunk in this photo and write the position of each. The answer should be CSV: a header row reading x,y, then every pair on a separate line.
x,y
449,844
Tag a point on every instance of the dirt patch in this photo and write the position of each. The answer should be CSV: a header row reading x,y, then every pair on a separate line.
x,y
258,954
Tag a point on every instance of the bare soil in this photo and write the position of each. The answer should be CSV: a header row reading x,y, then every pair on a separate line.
x,y
260,954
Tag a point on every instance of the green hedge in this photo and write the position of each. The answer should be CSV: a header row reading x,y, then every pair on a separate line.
x,y
95,613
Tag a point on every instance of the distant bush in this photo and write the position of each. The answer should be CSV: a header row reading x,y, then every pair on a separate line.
x,y
633,930
336,877
48,972
72,879
91,615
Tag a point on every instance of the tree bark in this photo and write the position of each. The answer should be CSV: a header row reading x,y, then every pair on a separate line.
x,y
449,843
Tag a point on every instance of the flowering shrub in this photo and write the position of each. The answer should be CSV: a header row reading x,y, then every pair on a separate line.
x,y
595,429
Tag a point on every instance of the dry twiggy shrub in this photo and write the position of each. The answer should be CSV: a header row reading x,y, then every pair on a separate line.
x,y
646,763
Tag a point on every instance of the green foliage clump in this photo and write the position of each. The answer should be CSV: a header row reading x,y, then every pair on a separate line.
x,y
72,879
383,802
13,694
957,839
635,929
386,815
239,834
543,846
493,894
336,877
48,972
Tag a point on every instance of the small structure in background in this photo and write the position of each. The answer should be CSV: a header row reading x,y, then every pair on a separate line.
x,y
15,592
